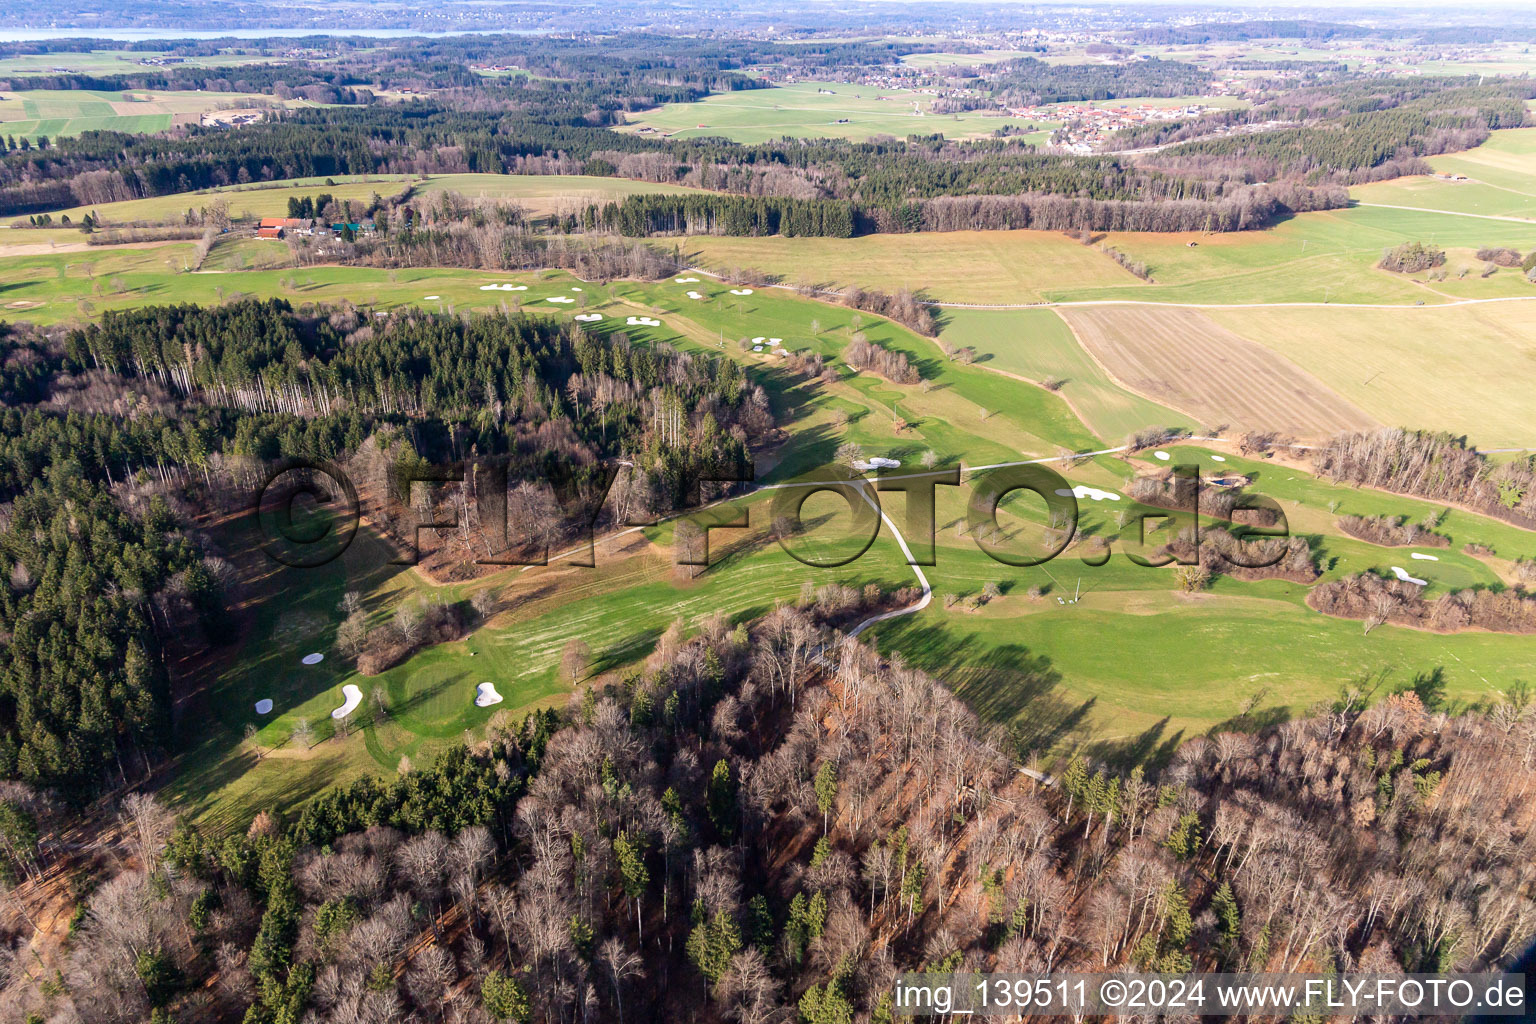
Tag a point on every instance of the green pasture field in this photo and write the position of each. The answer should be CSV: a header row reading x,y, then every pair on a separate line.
x,y
547,193
1501,181
244,202
954,266
967,60
1114,671
540,193
807,110
62,112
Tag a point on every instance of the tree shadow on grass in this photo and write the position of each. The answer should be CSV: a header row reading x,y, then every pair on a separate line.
x,y
633,647
1006,683
1150,748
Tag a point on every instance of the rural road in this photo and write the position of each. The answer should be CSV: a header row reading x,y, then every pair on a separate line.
x,y
1450,213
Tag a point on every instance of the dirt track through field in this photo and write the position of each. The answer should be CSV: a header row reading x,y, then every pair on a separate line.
x,y
1181,358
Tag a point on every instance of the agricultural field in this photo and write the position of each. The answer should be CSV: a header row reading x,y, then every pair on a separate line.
x,y
544,194
1465,369
1182,358
538,193
244,202
963,60
56,113
816,110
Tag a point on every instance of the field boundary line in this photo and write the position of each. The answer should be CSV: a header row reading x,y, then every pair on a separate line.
x,y
1455,213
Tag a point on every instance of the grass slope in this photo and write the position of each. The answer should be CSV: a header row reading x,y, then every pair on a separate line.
x,y
63,112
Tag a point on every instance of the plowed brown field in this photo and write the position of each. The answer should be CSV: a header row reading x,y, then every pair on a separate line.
x,y
1183,359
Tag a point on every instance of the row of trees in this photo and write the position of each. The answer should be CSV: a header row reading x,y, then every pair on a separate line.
x,y
1377,601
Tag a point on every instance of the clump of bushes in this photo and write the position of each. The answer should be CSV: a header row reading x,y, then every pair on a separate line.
x,y
1499,255
1411,257
1392,531
893,366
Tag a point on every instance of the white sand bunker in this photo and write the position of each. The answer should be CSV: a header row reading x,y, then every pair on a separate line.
x,y
575,289
686,280
432,298
1161,456
486,695
877,462
589,318
1402,574
694,295
775,341
264,706
353,696
560,298
741,291
757,348
503,287
1082,491
1423,557
1218,458
643,321
313,659
758,340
